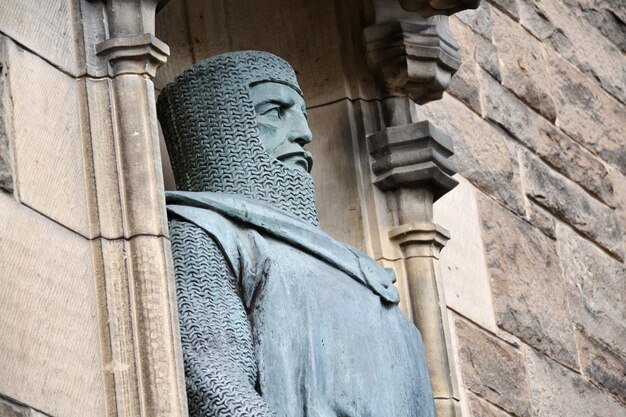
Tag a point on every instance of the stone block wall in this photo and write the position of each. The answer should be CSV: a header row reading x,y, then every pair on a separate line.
x,y
534,274
50,359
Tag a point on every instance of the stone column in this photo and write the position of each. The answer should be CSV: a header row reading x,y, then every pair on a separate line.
x,y
137,309
414,56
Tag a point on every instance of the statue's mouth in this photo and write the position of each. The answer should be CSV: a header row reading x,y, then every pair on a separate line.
x,y
300,159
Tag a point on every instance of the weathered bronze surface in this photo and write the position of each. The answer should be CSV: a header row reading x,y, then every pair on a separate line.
x,y
277,318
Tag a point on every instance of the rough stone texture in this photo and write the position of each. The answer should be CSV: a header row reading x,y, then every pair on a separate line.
x,y
476,52
50,175
558,391
541,218
482,154
51,359
607,16
481,408
479,20
493,369
6,166
587,113
595,288
602,365
543,138
510,7
569,202
48,28
527,283
577,41
9,408
462,261
619,182
523,66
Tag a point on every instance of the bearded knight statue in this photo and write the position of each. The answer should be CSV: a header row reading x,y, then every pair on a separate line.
x,y
277,318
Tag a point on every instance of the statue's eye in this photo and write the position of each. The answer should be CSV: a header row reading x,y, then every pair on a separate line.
x,y
272,112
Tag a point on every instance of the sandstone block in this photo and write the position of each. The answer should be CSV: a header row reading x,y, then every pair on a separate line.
x,y
543,138
542,219
478,19
481,408
48,310
462,261
492,369
476,51
619,182
10,409
606,16
172,28
336,187
557,391
577,41
587,113
6,166
482,154
527,283
569,202
49,167
604,366
524,68
509,7
595,288
48,28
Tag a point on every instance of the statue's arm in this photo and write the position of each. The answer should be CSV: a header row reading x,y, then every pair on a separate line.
x,y
220,366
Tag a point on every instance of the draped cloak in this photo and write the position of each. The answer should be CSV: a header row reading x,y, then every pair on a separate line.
x,y
328,337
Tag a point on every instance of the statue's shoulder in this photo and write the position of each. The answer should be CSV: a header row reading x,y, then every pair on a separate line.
x,y
226,232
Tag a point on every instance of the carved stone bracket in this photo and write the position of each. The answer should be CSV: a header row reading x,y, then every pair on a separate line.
x,y
134,54
413,56
434,7
415,154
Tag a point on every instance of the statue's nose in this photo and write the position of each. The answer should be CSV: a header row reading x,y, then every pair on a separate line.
x,y
300,132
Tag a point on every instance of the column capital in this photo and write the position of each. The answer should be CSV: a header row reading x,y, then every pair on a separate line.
x,y
413,155
139,54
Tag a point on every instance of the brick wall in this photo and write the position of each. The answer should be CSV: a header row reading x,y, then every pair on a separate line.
x,y
538,118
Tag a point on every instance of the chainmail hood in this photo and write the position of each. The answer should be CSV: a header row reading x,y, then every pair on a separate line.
x,y
212,137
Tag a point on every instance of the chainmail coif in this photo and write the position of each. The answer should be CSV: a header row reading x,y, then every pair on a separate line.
x,y
212,137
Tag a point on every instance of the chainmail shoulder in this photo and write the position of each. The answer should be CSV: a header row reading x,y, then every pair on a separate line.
x,y
218,352
210,130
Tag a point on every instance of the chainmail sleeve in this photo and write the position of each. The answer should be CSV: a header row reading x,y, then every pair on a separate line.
x,y
220,366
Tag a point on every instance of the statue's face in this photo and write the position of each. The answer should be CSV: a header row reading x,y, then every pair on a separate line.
x,y
282,120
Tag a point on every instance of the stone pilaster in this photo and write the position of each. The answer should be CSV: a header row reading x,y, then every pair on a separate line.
x,y
137,310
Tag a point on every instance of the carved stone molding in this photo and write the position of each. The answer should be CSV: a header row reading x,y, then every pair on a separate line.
x,y
434,7
413,57
421,232
134,54
415,154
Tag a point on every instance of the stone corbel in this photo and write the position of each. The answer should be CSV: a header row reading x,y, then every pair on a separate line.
x,y
410,48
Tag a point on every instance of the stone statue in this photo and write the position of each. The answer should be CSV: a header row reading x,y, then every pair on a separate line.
x,y
277,318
